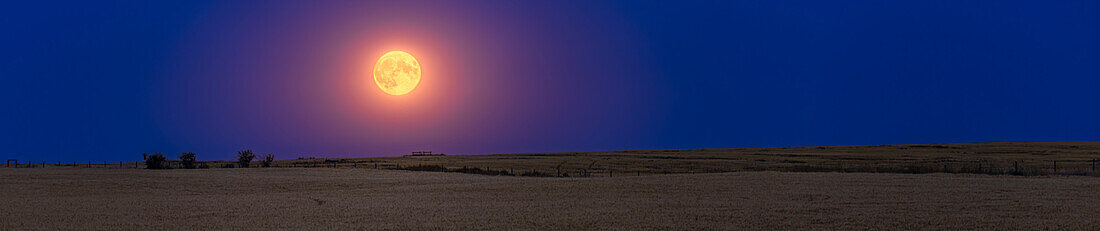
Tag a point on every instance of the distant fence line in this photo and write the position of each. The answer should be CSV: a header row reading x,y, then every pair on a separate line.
x,y
974,167
84,164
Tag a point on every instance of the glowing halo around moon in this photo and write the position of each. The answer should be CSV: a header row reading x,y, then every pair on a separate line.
x,y
397,73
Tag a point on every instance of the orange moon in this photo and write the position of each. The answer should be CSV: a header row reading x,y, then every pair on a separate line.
x,y
397,73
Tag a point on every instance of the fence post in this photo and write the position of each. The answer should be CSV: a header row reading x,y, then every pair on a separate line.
x,y
1055,167
1016,166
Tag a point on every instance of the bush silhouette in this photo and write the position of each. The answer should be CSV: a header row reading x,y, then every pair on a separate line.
x,y
267,160
245,157
187,160
155,161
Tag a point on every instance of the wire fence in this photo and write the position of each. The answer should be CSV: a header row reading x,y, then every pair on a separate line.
x,y
1001,167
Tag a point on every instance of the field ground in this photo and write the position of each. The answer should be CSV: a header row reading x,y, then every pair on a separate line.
x,y
1019,158
347,198
1023,158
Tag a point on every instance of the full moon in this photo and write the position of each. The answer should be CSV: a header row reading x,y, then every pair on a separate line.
x,y
397,73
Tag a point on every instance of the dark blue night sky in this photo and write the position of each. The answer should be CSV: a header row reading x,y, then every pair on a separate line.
x,y
98,81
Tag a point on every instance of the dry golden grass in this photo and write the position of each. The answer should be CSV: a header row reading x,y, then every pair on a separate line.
x,y
324,198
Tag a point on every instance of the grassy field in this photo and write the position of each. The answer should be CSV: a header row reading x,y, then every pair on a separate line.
x,y
1023,158
1018,158
345,198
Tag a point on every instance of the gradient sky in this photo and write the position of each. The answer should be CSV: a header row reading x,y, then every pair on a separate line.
x,y
94,80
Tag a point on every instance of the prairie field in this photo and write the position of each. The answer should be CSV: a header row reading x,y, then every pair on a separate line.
x,y
998,158
359,198
1019,158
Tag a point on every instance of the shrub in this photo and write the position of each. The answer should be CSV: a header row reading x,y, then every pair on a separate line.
x,y
536,173
155,161
203,165
245,157
267,160
187,160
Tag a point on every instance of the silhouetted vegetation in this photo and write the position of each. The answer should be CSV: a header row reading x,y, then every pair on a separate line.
x,y
956,168
485,171
187,160
536,173
245,157
155,161
440,168
426,168
267,160
1019,159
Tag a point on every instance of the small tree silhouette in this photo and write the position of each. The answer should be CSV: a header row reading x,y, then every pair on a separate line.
x,y
268,159
187,159
155,161
245,157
